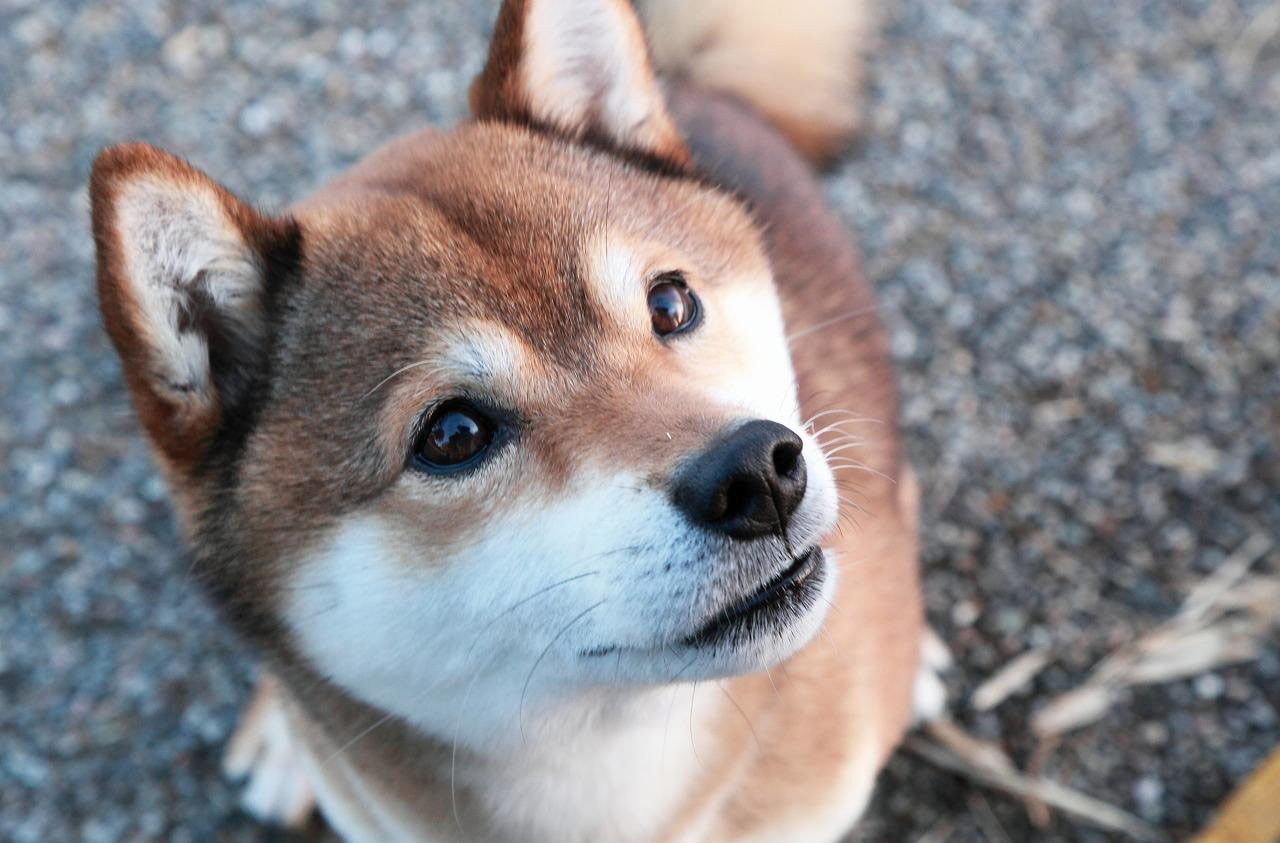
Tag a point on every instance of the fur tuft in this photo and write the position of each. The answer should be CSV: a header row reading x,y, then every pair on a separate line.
x,y
799,62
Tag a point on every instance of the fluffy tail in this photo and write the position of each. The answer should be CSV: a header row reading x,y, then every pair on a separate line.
x,y
798,62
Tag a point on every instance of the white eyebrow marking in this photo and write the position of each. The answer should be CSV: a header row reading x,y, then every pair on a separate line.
x,y
482,351
485,351
616,275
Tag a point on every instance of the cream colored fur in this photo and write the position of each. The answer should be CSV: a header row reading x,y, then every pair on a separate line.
x,y
797,61
178,237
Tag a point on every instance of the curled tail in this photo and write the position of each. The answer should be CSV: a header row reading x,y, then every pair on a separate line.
x,y
798,62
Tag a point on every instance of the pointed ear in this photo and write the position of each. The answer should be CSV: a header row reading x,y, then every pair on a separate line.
x,y
580,68
183,275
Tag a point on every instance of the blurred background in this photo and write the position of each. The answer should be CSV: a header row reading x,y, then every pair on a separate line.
x,y
1069,209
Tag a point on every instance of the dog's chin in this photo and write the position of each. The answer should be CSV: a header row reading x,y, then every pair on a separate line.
x,y
758,630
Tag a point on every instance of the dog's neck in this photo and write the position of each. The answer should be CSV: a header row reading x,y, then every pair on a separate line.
x,y
608,764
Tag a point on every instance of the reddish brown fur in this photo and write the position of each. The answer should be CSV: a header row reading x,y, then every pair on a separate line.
x,y
496,222
498,92
803,727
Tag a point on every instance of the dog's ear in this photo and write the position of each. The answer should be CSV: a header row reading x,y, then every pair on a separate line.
x,y
580,68
183,269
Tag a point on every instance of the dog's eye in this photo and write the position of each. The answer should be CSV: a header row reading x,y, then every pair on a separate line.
x,y
455,435
672,305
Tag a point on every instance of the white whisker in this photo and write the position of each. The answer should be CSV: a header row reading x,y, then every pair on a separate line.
x,y
751,726
834,320
393,376
524,692
453,755
523,601
363,733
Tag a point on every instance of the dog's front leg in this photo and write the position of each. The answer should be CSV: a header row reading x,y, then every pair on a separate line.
x,y
266,753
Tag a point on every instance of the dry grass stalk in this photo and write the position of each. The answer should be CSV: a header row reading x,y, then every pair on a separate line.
x,y
1169,657
939,832
1225,619
950,748
1037,811
992,828
1206,598
1257,595
1010,679
1078,707
973,749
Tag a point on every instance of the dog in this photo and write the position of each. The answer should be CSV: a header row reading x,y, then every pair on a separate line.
x,y
550,461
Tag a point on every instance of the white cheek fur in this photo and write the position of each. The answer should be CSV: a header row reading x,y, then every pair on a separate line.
x,y
414,638
503,623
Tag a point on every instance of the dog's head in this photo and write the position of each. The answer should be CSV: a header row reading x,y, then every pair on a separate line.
x,y
513,400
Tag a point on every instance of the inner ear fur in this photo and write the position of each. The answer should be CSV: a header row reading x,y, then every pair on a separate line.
x,y
184,275
579,68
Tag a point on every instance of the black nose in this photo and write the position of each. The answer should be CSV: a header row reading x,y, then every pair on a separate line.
x,y
747,484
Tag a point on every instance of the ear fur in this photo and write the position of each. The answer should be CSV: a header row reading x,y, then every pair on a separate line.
x,y
183,272
580,68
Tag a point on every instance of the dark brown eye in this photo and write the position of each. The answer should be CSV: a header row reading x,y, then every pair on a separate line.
x,y
456,434
672,307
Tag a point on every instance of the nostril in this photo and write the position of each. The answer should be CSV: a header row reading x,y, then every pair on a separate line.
x,y
739,496
786,456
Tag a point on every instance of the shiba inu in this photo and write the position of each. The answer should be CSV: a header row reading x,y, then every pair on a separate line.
x,y
551,461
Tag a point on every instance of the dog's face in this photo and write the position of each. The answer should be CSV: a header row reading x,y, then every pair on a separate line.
x,y
548,405
500,410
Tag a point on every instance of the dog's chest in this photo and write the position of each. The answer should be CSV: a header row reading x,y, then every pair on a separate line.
x,y
618,783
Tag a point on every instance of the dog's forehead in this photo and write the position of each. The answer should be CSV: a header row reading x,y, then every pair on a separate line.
x,y
499,224
400,270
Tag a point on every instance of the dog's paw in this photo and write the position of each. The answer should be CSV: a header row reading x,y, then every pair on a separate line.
x,y
929,697
264,752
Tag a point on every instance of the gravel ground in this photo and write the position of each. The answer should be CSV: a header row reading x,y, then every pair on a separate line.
x,y
1067,207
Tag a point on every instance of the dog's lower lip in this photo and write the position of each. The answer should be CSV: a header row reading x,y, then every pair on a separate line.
x,y
797,576
789,582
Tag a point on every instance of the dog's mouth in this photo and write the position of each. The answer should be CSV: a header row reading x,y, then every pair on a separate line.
x,y
766,610
789,593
